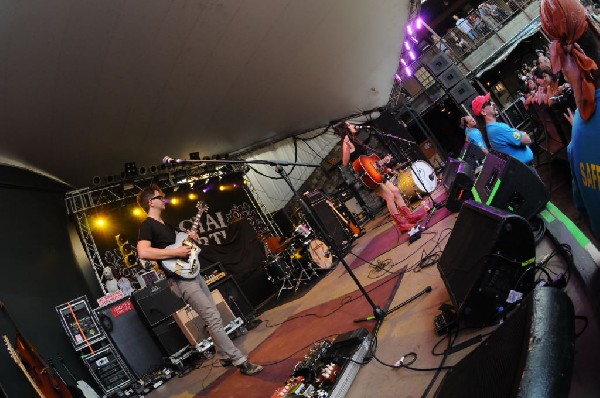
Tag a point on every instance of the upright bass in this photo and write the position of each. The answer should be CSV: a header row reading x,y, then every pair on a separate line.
x,y
46,381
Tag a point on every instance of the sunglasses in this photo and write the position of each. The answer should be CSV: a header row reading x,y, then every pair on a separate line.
x,y
160,197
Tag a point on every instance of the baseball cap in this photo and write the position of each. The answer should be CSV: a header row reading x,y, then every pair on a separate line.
x,y
478,102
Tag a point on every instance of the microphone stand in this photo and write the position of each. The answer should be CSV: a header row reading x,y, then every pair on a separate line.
x,y
378,313
404,152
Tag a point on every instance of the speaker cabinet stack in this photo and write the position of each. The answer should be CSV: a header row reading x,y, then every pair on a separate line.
x,y
485,258
156,304
530,355
510,185
130,336
329,220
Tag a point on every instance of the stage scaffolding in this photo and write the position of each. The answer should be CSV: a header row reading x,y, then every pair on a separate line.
x,y
81,202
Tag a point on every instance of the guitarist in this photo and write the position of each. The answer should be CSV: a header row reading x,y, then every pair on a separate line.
x,y
154,236
387,191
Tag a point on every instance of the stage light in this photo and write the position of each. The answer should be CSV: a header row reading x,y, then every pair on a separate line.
x,y
398,79
137,212
130,170
173,201
402,61
408,71
100,222
192,196
407,45
419,23
414,39
221,187
412,56
409,29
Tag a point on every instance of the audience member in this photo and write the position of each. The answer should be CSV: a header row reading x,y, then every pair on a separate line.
x,y
501,136
575,50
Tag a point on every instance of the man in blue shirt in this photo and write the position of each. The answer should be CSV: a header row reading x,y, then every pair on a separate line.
x,y
501,136
472,133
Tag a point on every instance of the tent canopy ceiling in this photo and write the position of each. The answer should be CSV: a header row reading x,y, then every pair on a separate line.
x,y
90,85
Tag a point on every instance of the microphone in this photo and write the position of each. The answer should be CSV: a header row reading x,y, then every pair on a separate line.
x,y
170,160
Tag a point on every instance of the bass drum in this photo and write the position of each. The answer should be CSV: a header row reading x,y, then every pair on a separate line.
x,y
319,254
417,180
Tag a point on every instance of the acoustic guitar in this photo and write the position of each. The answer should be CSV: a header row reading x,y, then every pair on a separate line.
x,y
371,169
44,381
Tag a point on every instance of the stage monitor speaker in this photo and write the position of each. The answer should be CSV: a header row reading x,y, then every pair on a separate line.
x,y
510,185
234,297
130,336
530,355
157,303
472,154
439,63
462,91
170,337
485,258
331,222
458,179
451,76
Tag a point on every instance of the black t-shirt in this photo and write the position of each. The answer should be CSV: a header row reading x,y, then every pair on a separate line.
x,y
359,150
160,235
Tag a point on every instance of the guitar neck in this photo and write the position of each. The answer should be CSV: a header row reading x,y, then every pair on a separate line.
x,y
17,359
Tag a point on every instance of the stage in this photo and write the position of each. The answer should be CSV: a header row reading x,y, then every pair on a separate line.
x,y
333,302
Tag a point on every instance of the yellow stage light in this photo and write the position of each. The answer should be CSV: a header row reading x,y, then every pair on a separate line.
x,y
137,212
193,196
100,222
174,201
221,187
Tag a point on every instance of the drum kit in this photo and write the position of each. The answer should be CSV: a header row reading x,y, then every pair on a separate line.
x,y
295,260
416,181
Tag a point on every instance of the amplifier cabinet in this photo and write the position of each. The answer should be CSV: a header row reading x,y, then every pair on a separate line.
x,y
193,326
108,370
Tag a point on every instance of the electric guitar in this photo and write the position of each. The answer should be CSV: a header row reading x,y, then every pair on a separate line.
x,y
186,269
17,359
371,169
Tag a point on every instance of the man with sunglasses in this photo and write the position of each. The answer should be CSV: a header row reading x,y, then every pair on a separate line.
x,y
501,136
155,235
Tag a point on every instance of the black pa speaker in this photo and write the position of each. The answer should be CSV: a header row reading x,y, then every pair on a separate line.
x,y
130,336
508,184
530,355
462,91
458,180
157,302
472,154
486,257
439,63
451,76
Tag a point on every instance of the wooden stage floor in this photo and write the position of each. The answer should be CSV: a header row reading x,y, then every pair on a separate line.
x,y
409,329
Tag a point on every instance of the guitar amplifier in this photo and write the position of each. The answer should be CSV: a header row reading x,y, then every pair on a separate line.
x,y
193,326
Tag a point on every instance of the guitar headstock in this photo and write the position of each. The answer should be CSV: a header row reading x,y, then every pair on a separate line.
x,y
201,206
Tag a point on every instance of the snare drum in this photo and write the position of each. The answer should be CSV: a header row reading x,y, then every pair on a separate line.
x,y
319,254
417,180
303,230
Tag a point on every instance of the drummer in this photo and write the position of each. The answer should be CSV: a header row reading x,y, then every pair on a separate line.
x,y
352,149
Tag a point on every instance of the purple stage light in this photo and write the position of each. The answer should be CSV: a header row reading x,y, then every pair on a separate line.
x,y
407,45
414,39
412,56
398,79
409,29
408,71
419,23
402,61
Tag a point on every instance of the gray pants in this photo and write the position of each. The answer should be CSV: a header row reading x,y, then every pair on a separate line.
x,y
198,296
